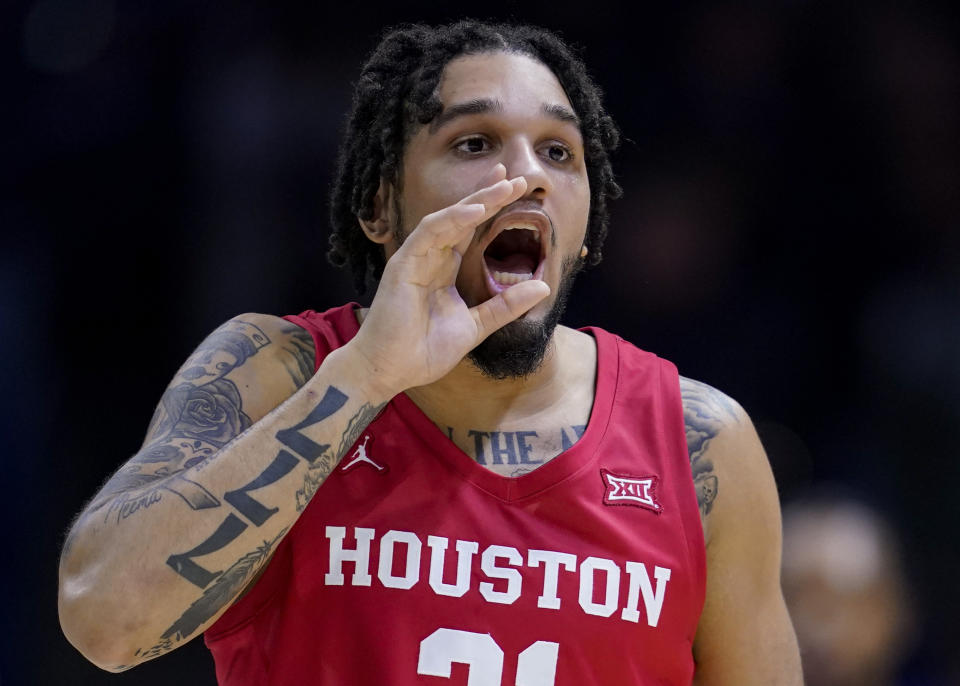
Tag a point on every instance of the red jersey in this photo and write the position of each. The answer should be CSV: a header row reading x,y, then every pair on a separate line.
x,y
414,565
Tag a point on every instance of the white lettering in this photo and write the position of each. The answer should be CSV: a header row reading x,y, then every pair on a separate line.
x,y
488,563
551,568
500,564
360,556
640,582
438,553
412,572
588,569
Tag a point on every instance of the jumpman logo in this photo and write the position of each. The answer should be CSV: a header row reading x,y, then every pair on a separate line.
x,y
361,456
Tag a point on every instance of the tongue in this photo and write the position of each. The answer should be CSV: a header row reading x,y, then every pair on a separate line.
x,y
514,263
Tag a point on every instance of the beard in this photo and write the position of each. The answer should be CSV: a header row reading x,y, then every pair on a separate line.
x,y
517,350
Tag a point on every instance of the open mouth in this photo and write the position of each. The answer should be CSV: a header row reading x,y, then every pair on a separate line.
x,y
515,254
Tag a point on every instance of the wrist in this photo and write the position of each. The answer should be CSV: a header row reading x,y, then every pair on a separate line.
x,y
359,372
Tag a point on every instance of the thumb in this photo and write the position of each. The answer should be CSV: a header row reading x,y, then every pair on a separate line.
x,y
507,306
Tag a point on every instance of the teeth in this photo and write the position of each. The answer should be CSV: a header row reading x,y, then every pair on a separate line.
x,y
528,227
508,278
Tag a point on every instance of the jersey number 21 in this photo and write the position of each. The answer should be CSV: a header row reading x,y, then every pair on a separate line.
x,y
536,665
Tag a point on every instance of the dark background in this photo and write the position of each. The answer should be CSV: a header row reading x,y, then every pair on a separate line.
x,y
789,234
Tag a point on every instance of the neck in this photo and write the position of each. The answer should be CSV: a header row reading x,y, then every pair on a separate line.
x,y
559,392
466,396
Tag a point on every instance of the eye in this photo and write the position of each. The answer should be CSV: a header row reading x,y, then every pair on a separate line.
x,y
474,145
559,153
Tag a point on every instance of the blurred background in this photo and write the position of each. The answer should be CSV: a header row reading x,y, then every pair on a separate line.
x,y
789,234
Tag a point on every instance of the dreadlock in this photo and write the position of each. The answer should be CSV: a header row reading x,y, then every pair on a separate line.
x,y
396,93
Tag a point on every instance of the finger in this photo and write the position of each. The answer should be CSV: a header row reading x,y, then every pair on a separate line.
x,y
498,173
496,195
447,227
492,205
507,306
436,269
443,229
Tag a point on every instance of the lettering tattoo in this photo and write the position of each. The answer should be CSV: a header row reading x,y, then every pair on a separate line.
x,y
304,446
565,440
124,507
199,414
705,412
519,447
227,586
320,469
183,564
220,587
248,506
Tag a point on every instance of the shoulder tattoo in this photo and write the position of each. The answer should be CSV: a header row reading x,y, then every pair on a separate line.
x,y
705,412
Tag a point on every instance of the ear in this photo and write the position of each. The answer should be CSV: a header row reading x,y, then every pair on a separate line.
x,y
379,228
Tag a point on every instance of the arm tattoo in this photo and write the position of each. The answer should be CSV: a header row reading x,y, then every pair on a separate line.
x,y
302,355
200,412
321,468
705,412
228,585
248,506
358,422
226,349
316,455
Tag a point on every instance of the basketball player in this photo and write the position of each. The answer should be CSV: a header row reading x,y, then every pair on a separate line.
x,y
447,487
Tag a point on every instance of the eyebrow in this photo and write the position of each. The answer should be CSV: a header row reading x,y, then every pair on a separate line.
x,y
564,114
463,109
485,105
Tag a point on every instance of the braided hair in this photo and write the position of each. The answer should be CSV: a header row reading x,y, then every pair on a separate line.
x,y
396,94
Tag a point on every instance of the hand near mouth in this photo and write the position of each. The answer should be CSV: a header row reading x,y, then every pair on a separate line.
x,y
418,327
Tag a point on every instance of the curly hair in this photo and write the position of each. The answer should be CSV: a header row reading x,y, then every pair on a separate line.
x,y
396,94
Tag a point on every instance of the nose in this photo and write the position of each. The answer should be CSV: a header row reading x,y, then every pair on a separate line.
x,y
522,159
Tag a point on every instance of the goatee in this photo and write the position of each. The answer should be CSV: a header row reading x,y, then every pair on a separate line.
x,y
517,349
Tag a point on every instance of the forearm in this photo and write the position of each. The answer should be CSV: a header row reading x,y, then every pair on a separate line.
x,y
147,568
180,530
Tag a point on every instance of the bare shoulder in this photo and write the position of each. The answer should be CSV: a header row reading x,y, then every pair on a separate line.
x,y
724,449
704,399
745,635
706,414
